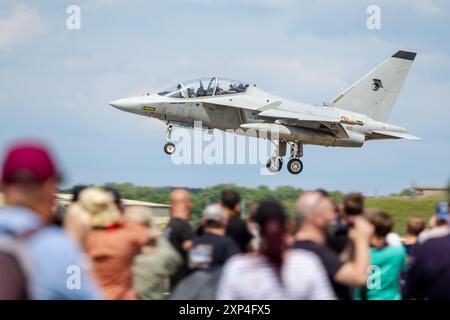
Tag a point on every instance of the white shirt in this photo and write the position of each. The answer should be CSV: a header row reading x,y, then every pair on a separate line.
x,y
251,277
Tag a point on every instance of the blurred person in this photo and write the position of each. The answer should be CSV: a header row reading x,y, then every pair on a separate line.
x,y
253,227
429,275
77,224
439,223
213,248
351,207
117,198
156,262
237,228
206,257
112,243
387,262
39,252
179,232
414,226
274,272
316,214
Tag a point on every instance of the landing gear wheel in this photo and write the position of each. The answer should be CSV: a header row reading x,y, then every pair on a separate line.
x,y
274,164
169,148
295,166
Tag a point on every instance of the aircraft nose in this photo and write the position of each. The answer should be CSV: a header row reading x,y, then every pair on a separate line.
x,y
125,103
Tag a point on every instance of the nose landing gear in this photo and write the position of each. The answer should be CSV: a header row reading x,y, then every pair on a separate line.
x,y
169,147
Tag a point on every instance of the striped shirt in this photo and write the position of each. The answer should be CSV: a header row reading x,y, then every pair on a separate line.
x,y
251,277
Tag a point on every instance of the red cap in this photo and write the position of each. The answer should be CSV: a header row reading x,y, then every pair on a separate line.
x,y
28,162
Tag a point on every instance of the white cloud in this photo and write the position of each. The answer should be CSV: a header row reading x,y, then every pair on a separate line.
x,y
23,24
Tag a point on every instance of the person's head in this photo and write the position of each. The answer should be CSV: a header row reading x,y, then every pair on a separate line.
x,y
99,205
231,201
353,205
180,204
315,210
143,216
271,220
30,179
213,217
383,225
414,226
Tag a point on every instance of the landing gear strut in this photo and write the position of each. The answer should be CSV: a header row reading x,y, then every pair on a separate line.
x,y
169,147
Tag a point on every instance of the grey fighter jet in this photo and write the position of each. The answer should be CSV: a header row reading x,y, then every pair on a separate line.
x,y
356,115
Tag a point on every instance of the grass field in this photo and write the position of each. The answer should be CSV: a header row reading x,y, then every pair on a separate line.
x,y
401,208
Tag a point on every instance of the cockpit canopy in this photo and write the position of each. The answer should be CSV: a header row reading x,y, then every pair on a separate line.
x,y
205,87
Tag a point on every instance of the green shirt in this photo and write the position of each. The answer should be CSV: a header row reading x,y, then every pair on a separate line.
x,y
384,275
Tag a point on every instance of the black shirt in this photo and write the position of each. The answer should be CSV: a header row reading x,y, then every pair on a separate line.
x,y
238,231
429,275
211,250
178,231
330,261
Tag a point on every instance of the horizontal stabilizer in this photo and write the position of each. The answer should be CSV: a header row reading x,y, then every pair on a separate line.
x,y
398,135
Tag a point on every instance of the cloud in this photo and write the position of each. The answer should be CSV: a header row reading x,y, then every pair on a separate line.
x,y
24,23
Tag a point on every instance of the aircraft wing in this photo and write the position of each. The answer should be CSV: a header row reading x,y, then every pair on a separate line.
x,y
294,118
397,135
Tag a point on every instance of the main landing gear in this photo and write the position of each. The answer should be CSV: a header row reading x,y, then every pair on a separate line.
x,y
294,165
169,147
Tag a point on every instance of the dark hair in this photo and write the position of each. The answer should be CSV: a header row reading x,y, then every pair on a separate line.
x,y
323,192
230,199
354,204
382,222
271,219
116,196
76,191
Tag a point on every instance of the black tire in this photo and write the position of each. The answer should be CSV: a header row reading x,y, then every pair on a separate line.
x,y
169,148
274,170
295,166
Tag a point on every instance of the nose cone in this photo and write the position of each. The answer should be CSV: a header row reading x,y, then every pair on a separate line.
x,y
126,104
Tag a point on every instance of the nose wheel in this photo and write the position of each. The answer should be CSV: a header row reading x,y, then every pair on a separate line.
x,y
169,147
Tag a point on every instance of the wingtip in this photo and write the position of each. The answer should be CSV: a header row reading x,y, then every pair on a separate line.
x,y
407,55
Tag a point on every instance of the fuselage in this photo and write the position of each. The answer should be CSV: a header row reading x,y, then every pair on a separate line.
x,y
246,113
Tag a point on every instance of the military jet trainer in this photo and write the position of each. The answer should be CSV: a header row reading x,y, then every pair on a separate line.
x,y
356,115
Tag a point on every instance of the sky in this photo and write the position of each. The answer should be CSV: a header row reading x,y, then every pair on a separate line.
x,y
56,83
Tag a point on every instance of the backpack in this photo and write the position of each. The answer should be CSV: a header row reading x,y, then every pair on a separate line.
x,y
15,267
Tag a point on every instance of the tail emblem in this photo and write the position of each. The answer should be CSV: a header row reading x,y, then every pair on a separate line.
x,y
376,84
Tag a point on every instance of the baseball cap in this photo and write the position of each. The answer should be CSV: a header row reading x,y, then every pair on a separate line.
x,y
28,162
213,212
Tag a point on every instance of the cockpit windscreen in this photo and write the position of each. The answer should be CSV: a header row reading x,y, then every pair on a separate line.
x,y
205,87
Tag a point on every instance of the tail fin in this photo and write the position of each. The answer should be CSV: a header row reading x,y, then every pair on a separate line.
x,y
376,92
